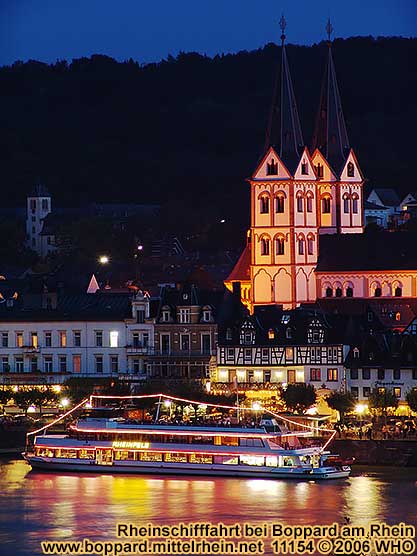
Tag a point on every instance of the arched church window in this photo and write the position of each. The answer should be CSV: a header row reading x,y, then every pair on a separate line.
x,y
398,291
309,203
300,203
272,168
304,168
301,246
310,245
264,204
349,292
355,200
279,246
264,246
350,170
279,203
378,292
329,292
338,292
319,170
346,203
326,205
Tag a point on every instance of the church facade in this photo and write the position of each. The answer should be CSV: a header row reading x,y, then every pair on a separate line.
x,y
299,197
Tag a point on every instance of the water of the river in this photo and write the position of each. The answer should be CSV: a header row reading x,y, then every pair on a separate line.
x,y
35,506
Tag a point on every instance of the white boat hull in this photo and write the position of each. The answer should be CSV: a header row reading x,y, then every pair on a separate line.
x,y
317,473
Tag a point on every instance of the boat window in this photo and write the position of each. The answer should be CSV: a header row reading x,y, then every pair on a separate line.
x,y
251,442
121,455
45,452
271,461
202,440
287,462
68,453
174,457
227,460
200,458
252,460
86,454
150,456
226,441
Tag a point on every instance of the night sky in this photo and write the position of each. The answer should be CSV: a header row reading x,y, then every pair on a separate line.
x,y
147,31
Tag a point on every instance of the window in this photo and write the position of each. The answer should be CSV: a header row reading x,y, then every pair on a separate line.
x,y
5,339
77,338
229,334
63,339
99,338
279,203
271,334
145,339
33,204
346,205
326,205
355,205
114,339
165,343
332,375
319,170
381,374
279,246
398,292
301,247
99,363
62,363
366,391
114,363
207,315
140,316
349,292
206,343
135,339
310,246
34,364
19,364
184,316
355,391
264,246
300,204
165,316
396,374
288,333
5,364
272,168
315,333
76,363
397,392
19,339
378,292
350,170
304,168
354,374
264,204
185,342
329,292
34,337
309,203
414,374
338,292
366,374
45,204
48,339
355,353
47,364
315,375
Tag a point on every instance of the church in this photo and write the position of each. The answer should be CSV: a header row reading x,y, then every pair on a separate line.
x,y
306,239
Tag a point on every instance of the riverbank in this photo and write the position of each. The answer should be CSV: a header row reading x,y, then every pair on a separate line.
x,y
401,453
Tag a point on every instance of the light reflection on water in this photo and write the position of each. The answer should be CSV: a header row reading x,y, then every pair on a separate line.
x,y
35,506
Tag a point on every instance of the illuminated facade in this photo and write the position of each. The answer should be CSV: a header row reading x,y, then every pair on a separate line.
x,y
301,195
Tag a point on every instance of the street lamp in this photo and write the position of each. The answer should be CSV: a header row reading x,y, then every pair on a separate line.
x,y
103,259
65,402
256,406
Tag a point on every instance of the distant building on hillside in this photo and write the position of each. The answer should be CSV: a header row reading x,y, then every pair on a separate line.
x,y
382,207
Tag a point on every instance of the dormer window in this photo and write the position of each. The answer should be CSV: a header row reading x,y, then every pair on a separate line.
x,y
271,334
165,315
247,334
288,333
285,319
304,168
315,333
355,353
229,334
272,168
350,170
206,315
319,170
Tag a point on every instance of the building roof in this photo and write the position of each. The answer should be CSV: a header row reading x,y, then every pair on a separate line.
x,y
330,134
372,206
39,190
241,270
388,197
369,251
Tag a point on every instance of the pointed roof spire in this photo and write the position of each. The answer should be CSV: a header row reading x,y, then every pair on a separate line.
x,y
284,123
330,134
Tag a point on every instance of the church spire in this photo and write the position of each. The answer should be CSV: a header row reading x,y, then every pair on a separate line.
x,y
284,124
330,135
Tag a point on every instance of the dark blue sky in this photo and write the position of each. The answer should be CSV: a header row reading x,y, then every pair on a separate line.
x,y
148,30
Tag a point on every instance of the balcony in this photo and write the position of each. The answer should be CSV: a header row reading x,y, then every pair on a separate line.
x,y
244,386
29,350
139,350
184,353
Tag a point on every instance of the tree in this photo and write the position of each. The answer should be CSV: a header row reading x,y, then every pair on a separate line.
x,y
299,397
6,394
343,402
381,400
411,398
43,397
25,398
77,389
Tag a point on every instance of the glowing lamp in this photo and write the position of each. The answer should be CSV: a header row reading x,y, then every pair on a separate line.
x,y
167,403
65,402
57,388
31,409
361,408
256,406
103,259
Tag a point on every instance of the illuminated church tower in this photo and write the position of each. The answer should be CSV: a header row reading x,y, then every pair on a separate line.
x,y
296,197
340,179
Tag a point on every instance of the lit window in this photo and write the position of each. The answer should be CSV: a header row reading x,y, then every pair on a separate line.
x,y
34,340
397,392
331,375
319,170
19,339
315,375
114,339
63,339
271,334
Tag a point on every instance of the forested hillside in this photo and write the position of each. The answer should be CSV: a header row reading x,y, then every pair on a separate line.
x,y
186,132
